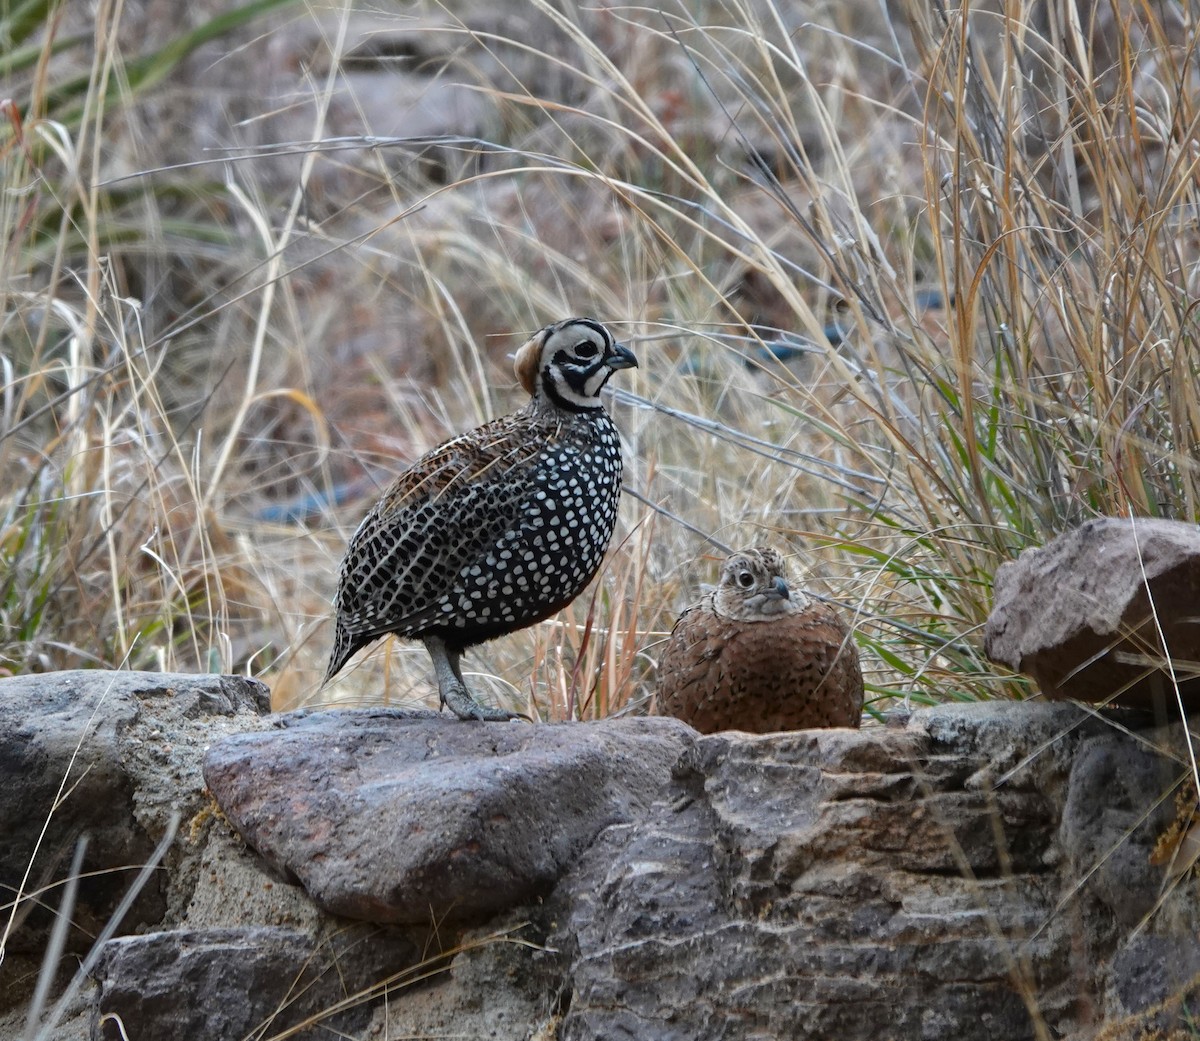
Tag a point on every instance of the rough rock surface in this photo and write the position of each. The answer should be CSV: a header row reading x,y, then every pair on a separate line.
x,y
258,979
117,756
1077,615
389,816
121,748
968,873
506,983
900,883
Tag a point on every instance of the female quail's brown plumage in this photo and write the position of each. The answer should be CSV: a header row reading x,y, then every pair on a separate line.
x,y
499,527
756,655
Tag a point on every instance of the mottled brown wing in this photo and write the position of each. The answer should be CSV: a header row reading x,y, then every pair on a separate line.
x,y
435,518
690,686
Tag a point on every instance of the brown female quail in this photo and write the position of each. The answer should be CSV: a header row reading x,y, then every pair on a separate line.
x,y
499,527
756,655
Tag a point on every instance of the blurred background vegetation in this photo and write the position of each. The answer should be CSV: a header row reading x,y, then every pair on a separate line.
x,y
913,287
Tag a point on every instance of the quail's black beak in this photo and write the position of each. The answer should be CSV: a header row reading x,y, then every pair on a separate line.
x,y
621,358
781,588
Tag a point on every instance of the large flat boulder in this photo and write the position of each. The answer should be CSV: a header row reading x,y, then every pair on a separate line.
x,y
414,817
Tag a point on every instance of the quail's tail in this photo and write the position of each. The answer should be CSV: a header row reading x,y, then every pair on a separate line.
x,y
343,647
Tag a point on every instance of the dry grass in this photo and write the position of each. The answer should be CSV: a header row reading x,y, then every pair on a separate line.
x,y
908,297
906,302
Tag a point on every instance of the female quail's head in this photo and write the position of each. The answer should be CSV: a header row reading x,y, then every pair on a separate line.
x,y
754,585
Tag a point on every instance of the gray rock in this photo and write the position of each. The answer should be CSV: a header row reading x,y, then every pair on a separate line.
x,y
232,983
972,872
234,887
112,754
852,884
1076,614
504,983
403,817
1109,826
1156,979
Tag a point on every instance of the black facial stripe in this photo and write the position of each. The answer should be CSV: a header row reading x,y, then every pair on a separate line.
x,y
578,376
575,376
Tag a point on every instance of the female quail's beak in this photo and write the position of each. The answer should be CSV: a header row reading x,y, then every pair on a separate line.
x,y
781,588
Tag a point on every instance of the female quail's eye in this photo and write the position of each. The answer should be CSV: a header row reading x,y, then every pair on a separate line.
x,y
586,349
745,579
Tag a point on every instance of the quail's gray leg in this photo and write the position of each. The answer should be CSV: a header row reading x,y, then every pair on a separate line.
x,y
453,691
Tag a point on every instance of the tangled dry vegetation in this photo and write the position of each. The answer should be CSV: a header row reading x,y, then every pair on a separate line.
x,y
909,293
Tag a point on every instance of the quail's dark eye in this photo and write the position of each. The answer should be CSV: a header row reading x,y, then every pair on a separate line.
x,y
586,349
745,579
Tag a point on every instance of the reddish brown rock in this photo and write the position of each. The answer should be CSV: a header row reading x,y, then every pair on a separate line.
x,y
1098,613
414,817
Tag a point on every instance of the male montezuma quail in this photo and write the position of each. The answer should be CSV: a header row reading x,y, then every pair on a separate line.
x,y
497,528
755,655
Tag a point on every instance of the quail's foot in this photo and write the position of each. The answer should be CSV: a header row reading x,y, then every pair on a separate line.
x,y
458,700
